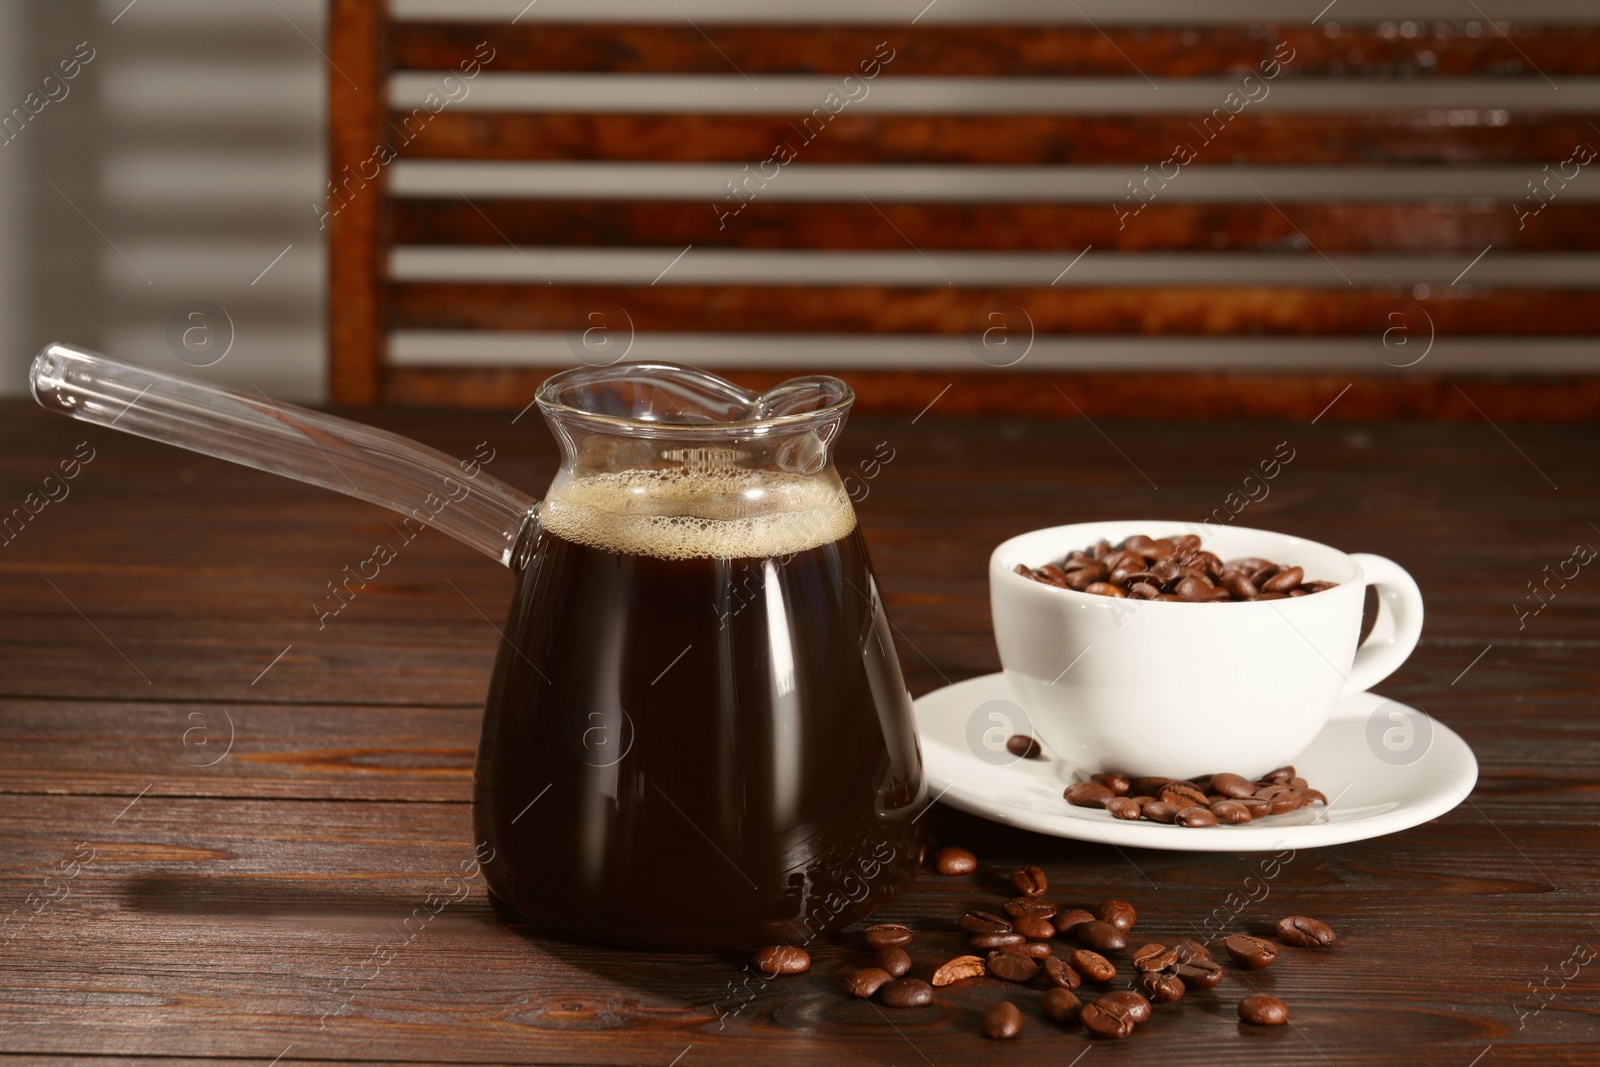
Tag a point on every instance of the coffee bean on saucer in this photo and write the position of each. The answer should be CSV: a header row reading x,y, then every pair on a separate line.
x,y
1023,747
1148,787
1034,929
867,981
988,942
1105,1021
957,969
781,959
1263,1010
1252,953
1282,774
984,922
1183,794
1068,922
1305,932
1061,1005
1154,957
1114,782
906,993
1030,908
1162,987
1200,974
1058,974
1231,785
1196,816
1092,965
887,935
1087,794
1233,812
1012,967
1137,1007
1257,807
1030,881
956,861
1123,808
1159,811
1118,913
896,961
1002,1020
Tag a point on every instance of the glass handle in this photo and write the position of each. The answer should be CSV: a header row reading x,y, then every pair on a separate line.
x,y
454,496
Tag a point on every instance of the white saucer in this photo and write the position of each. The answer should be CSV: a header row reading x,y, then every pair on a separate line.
x,y
1425,770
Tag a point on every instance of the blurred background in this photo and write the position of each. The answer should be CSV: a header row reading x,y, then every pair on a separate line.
x,y
163,203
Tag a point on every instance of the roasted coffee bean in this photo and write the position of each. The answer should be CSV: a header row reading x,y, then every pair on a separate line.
x,y
1088,794
1196,816
1012,966
1317,587
1033,949
1282,774
1231,785
1272,790
1126,1000
897,961
1263,1010
1091,965
1068,922
1230,811
1123,808
1159,811
1104,589
957,969
988,942
1257,807
1118,913
1061,1005
1142,564
1114,782
1249,952
1154,957
1138,590
1030,881
956,861
1162,987
781,959
1284,581
1105,1022
1189,950
1030,908
1240,587
1002,1020
984,922
1023,747
1183,795
887,935
1034,929
906,993
1305,932
1101,936
1193,588
867,981
1148,787
1091,574
1284,803
1057,973
1200,974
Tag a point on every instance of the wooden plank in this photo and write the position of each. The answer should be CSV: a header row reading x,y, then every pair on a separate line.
x,y
1445,49
357,91
1433,226
1267,138
1173,395
1124,311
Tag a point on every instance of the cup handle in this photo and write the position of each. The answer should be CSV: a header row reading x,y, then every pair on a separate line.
x,y
1397,627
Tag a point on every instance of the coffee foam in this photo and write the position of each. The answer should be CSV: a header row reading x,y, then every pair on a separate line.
x,y
680,514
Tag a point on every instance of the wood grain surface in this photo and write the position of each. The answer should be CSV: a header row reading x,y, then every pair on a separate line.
x,y
233,906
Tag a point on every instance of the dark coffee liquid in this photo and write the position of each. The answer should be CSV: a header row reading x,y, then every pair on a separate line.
x,y
698,753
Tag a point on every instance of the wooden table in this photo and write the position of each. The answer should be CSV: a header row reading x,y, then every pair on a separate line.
x,y
199,901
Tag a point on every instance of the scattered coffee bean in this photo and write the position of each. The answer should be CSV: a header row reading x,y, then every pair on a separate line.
x,y
1263,1010
956,861
1102,936
1034,929
984,922
1105,1021
1231,785
1136,1006
1123,808
1118,913
1030,881
782,959
1057,974
1249,952
1068,922
1092,965
1030,908
897,961
1305,932
1037,950
1001,1020
867,981
987,942
1173,567
1189,950
1154,957
1162,987
1061,1005
1196,816
887,935
1200,974
1023,747
957,969
1232,812
1012,967
1114,782
1088,794
1159,811
906,993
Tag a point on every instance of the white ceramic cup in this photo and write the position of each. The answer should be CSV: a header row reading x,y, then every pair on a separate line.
x,y
1151,687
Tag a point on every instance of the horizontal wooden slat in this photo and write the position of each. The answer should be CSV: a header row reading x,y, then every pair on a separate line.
x,y
1437,48
1439,226
1260,138
1181,395
1139,310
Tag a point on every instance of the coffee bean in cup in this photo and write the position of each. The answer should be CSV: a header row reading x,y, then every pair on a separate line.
x,y
1171,568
